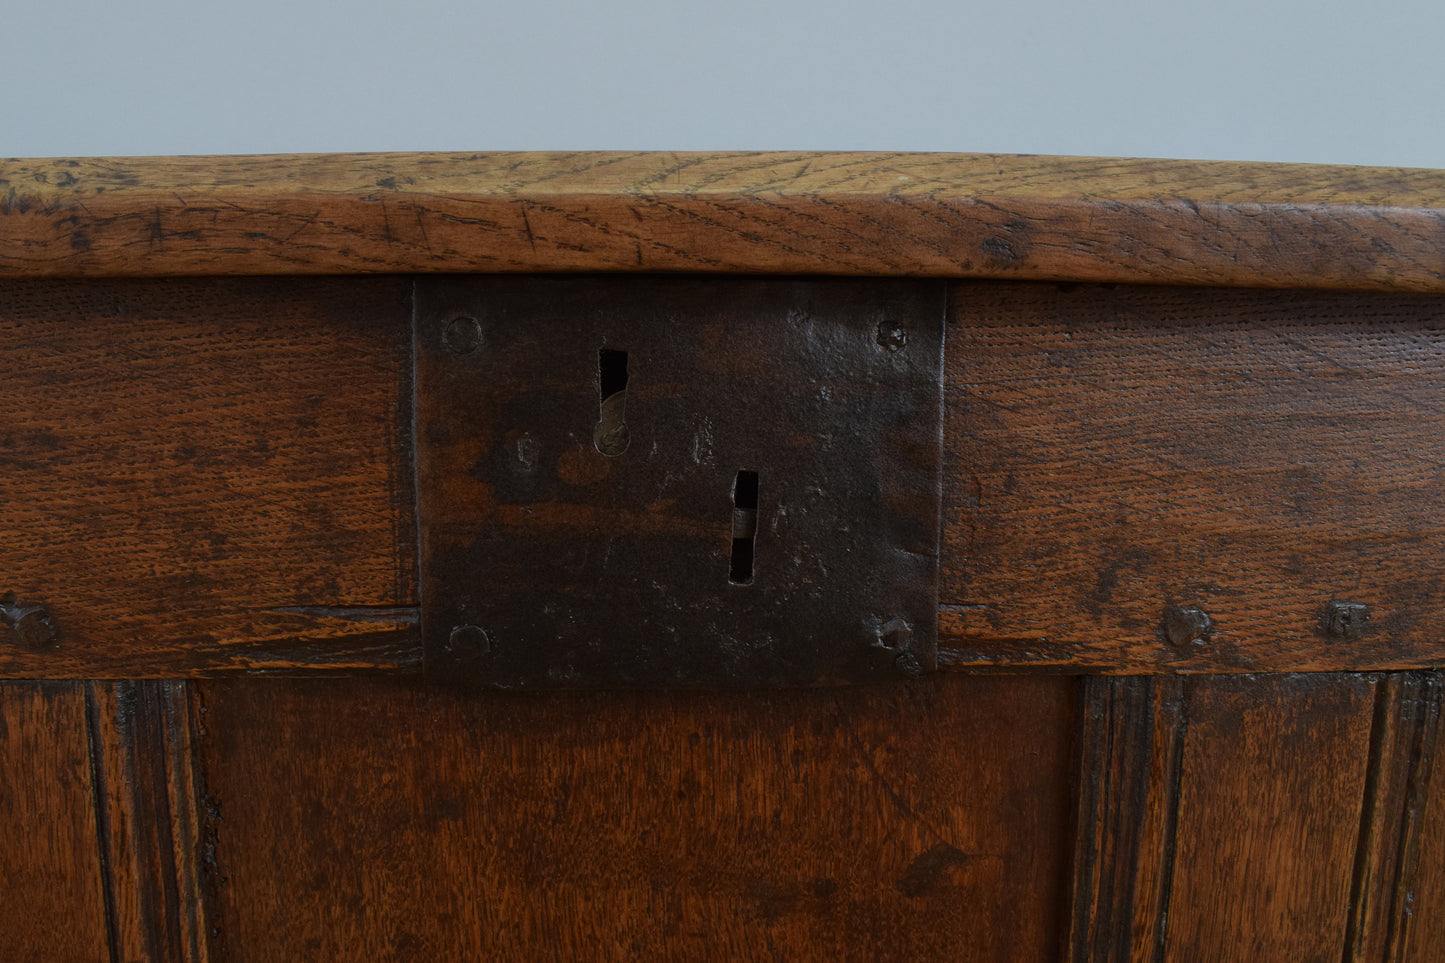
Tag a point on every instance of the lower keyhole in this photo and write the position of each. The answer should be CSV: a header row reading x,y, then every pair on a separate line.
x,y
745,527
610,436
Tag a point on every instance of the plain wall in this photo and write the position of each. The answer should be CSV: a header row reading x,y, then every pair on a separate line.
x,y
1338,82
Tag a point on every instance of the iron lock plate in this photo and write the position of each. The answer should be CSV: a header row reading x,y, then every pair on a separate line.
x,y
659,482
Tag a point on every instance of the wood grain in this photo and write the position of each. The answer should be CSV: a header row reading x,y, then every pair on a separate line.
x,y
944,215
378,819
1128,789
208,475
1269,805
1400,876
1422,929
148,805
212,476
1180,480
52,900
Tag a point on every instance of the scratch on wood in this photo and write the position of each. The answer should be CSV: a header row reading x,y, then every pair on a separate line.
x,y
395,614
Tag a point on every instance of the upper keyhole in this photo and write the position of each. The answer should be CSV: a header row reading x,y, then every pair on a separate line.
x,y
611,437
745,527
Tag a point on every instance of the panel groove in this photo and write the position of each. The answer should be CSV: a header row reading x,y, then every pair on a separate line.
x,y
147,806
1403,747
1361,890
1425,701
96,754
1178,734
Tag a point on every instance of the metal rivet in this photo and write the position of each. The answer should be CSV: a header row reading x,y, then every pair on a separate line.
x,y
462,335
470,640
891,336
1346,620
1186,625
895,633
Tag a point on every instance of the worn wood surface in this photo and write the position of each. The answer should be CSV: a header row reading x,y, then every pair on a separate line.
x,y
214,475
208,476
148,801
52,894
1152,480
370,819
942,215
1272,778
1283,817
1419,899
1229,818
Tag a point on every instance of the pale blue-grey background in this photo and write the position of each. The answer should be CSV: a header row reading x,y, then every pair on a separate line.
x,y
1278,80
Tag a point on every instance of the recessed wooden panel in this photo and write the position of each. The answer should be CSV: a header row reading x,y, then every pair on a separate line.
x,y
368,819
52,892
207,476
1146,479
1272,778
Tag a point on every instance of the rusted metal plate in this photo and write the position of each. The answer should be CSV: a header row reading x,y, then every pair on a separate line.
x,y
678,482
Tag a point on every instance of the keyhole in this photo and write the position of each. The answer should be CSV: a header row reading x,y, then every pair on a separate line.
x,y
611,437
745,527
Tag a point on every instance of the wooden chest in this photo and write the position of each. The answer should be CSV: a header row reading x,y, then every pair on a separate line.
x,y
1185,559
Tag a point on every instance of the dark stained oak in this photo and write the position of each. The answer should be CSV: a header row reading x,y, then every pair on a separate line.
x,y
208,475
1258,817
1421,931
1384,900
52,881
376,819
1128,789
1401,880
940,215
149,803
1180,480
211,476
1217,500
1272,777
